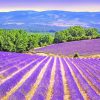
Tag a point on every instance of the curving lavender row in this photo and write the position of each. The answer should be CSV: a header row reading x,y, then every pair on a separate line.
x,y
83,47
34,77
43,86
58,84
90,92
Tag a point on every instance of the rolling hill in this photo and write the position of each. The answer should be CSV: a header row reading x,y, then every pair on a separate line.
x,y
48,21
83,47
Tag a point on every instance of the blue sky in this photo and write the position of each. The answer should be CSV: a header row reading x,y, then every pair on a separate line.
x,y
42,5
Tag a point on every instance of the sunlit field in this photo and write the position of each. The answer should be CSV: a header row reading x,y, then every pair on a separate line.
x,y
83,47
34,77
49,49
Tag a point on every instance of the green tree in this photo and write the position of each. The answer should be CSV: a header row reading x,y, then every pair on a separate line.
x,y
92,32
21,41
46,39
76,31
60,36
7,43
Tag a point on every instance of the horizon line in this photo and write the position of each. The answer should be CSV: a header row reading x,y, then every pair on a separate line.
x,y
46,10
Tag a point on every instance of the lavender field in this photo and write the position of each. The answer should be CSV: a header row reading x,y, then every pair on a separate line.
x,y
34,77
83,47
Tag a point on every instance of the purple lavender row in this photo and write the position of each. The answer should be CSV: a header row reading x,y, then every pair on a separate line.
x,y
11,63
89,66
10,83
15,62
6,56
4,60
16,67
28,60
19,64
74,91
93,63
25,88
7,65
92,79
10,53
41,91
58,92
87,88
12,58
94,74
69,48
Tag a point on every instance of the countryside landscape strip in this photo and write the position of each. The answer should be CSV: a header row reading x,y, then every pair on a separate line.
x,y
64,71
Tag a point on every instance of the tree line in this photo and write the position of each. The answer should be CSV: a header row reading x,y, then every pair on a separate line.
x,y
76,33
20,40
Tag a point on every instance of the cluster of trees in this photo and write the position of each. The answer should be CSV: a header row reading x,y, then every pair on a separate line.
x,y
76,33
20,40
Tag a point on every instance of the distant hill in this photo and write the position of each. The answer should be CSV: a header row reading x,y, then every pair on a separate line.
x,y
49,21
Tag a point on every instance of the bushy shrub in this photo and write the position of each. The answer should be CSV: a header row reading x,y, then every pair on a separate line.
x,y
76,33
76,55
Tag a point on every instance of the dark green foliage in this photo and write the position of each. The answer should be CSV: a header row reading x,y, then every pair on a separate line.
x,y
46,39
76,55
75,33
59,37
91,32
13,40
20,40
